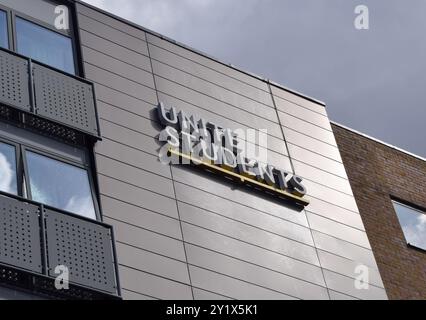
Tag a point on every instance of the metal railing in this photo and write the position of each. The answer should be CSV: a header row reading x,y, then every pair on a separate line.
x,y
45,92
38,242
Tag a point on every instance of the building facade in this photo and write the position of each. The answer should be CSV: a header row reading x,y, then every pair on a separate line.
x,y
85,197
390,189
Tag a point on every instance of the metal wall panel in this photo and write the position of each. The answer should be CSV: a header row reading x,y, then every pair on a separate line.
x,y
134,176
211,90
348,268
275,144
307,128
287,95
336,213
147,240
346,285
248,234
344,249
302,113
253,254
232,210
209,74
152,263
153,286
254,274
119,37
140,197
312,144
133,157
137,216
120,83
232,287
152,39
338,230
240,243
317,161
207,103
112,22
112,49
322,177
238,194
205,295
129,137
116,66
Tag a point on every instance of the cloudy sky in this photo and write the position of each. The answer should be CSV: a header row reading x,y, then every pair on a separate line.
x,y
371,80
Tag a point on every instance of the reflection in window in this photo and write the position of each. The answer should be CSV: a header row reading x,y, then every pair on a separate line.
x,y
44,45
60,185
4,43
8,168
413,223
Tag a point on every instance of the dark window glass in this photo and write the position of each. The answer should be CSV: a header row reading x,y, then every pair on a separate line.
x,y
60,185
8,168
413,223
4,43
44,45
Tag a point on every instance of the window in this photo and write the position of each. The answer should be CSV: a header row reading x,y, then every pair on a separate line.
x,y
44,45
413,223
46,171
41,10
8,169
41,30
60,185
4,42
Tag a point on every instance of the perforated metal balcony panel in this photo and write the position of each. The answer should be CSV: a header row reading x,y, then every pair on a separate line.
x,y
14,81
64,99
84,248
19,234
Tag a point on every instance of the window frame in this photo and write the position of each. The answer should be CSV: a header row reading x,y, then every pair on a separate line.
x,y
19,182
412,207
22,172
12,14
9,27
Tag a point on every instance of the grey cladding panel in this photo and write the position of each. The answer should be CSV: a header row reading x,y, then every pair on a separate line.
x,y
254,274
14,81
154,286
153,263
64,99
110,21
110,48
85,248
19,234
206,62
252,254
112,34
137,216
231,287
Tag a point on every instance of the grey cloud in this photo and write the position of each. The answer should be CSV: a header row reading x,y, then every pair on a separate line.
x,y
372,80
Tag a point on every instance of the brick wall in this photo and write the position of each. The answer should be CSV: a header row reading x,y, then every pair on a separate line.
x,y
377,172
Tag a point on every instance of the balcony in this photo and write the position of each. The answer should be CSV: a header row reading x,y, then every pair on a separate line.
x,y
46,99
35,239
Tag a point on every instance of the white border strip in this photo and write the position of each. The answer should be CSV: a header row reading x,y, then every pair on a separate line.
x,y
379,141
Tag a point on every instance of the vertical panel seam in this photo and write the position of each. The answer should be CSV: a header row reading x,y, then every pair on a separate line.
x,y
292,166
173,181
281,126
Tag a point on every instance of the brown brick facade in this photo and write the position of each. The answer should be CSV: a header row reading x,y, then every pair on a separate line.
x,y
377,172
